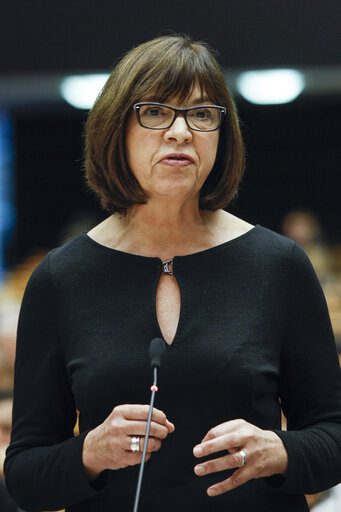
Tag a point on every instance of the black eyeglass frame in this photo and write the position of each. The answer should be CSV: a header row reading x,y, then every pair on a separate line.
x,y
136,107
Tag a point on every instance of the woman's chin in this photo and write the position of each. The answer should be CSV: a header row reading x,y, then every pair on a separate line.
x,y
176,186
179,191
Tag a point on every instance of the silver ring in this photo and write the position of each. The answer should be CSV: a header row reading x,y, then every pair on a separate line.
x,y
243,456
135,444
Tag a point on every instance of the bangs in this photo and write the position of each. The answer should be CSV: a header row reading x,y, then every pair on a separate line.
x,y
181,89
183,67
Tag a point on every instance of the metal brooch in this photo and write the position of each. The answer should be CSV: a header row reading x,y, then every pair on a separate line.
x,y
166,269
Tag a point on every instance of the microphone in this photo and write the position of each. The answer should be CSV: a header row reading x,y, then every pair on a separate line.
x,y
156,350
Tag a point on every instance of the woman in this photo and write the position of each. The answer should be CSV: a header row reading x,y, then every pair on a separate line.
x,y
240,308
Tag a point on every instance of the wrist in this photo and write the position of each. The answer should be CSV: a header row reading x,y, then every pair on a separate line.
x,y
282,461
91,464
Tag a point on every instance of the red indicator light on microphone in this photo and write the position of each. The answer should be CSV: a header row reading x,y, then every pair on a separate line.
x,y
154,388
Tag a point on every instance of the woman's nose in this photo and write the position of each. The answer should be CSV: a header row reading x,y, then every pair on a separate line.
x,y
179,131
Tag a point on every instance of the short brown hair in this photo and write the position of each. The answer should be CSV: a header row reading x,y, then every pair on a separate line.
x,y
170,66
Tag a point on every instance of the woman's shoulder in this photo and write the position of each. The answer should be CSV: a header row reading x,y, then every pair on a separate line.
x,y
64,259
275,251
256,236
57,262
269,249
74,249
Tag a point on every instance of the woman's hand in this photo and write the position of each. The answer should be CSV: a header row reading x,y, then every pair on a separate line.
x,y
109,445
265,454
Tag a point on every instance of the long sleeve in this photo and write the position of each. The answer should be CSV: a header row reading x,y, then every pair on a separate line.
x,y
310,386
43,467
253,326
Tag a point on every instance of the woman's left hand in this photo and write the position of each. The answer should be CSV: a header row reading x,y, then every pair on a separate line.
x,y
264,451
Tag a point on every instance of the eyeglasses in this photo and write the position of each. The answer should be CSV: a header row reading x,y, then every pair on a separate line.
x,y
157,116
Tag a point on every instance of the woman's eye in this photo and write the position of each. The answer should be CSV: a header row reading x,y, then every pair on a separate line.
x,y
152,112
202,114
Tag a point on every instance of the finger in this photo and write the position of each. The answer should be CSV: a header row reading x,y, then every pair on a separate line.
x,y
138,428
153,444
239,477
170,426
222,463
228,427
141,412
224,442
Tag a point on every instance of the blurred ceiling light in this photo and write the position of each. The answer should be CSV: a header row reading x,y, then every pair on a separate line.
x,y
81,91
270,86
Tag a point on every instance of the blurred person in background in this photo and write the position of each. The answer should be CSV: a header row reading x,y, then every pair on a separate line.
x,y
304,227
240,309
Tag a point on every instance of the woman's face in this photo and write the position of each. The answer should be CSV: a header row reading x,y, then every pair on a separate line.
x,y
147,152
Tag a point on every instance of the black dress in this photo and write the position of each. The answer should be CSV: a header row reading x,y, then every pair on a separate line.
x,y
253,332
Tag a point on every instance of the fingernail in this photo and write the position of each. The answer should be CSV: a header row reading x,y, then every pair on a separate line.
x,y
198,450
199,469
211,492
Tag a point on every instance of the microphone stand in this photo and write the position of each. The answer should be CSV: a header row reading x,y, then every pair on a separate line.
x,y
139,482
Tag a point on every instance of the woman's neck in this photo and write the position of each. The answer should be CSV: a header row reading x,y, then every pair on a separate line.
x,y
163,231
168,231
168,221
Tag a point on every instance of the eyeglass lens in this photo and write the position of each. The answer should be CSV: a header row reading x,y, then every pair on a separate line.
x,y
201,118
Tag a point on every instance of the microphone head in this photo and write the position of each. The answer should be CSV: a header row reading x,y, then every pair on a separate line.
x,y
156,350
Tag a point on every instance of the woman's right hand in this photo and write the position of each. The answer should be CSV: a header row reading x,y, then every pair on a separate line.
x,y
108,445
